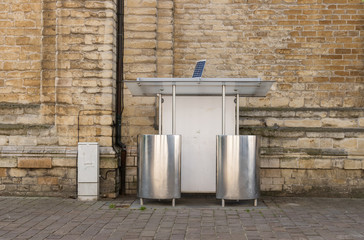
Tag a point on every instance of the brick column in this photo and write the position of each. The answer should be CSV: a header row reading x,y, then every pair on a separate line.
x,y
165,37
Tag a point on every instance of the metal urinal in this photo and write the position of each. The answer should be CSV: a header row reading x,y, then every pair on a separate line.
x,y
237,163
159,162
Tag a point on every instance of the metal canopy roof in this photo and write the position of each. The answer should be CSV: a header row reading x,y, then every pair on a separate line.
x,y
245,87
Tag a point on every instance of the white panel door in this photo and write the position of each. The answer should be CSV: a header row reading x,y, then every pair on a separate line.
x,y
198,120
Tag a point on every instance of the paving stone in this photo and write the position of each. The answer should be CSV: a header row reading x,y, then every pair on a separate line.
x,y
281,218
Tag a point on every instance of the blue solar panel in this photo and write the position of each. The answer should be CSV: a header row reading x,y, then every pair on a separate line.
x,y
200,65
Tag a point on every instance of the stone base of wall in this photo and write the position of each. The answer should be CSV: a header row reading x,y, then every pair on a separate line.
x,y
314,183
309,152
131,179
51,171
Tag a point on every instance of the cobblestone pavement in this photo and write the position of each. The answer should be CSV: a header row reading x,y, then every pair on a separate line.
x,y
278,218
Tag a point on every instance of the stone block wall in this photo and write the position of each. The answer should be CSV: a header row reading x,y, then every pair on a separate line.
x,y
20,51
313,48
148,52
311,119
57,88
309,151
57,85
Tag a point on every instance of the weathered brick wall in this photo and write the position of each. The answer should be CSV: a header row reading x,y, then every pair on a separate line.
x,y
309,151
148,53
313,49
311,120
20,51
57,87
58,71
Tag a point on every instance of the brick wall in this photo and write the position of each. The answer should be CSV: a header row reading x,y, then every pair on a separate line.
x,y
309,151
313,49
311,120
148,53
57,87
20,51
58,71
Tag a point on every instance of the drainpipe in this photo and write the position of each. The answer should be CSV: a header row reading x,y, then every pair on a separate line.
x,y
120,92
119,70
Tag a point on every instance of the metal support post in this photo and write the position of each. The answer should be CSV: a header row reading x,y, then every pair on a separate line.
x,y
237,114
223,109
255,202
173,202
174,109
222,202
173,120
141,201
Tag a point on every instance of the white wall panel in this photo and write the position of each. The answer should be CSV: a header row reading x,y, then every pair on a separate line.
x,y
198,120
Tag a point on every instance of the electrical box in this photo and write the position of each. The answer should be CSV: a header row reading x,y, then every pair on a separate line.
x,y
88,171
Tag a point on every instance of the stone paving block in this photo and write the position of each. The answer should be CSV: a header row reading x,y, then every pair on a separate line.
x,y
283,218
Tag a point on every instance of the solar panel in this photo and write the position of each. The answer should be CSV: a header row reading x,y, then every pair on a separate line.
x,y
200,65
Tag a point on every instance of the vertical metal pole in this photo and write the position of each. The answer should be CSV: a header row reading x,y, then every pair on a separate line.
x,y
160,115
174,109
255,202
223,109
237,114
222,202
141,201
173,121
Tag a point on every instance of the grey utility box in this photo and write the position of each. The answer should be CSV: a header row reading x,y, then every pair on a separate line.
x,y
88,171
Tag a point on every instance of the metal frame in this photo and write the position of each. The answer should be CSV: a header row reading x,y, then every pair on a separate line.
x,y
247,87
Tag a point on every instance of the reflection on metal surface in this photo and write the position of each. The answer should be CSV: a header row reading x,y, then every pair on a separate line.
x,y
159,166
237,167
